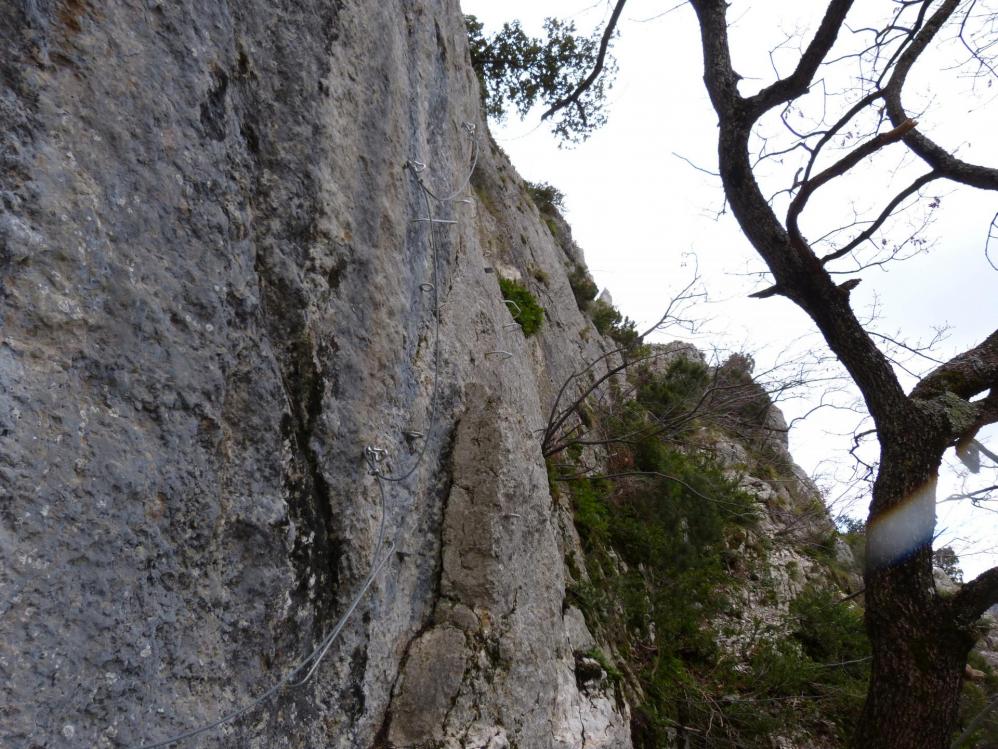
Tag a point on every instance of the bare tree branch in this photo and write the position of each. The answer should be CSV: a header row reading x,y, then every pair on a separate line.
x,y
977,596
837,170
798,82
863,236
965,375
992,236
590,79
975,497
938,158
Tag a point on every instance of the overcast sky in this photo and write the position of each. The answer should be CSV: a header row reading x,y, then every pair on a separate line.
x,y
638,210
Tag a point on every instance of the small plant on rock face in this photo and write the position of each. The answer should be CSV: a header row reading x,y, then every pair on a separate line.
x,y
583,287
524,307
612,672
539,274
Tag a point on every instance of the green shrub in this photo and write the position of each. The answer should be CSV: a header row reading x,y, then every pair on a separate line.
x,y
591,512
604,316
676,392
815,679
744,402
853,532
833,641
657,557
947,560
539,274
659,549
583,286
669,534
526,311
609,322
778,668
974,707
547,198
828,630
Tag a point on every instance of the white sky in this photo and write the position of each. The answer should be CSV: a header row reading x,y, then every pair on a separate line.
x,y
637,210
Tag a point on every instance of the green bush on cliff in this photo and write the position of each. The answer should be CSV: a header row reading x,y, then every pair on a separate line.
x,y
583,287
677,392
548,198
525,309
609,322
664,539
654,556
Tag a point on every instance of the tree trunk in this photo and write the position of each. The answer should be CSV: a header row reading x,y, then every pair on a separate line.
x,y
916,679
919,651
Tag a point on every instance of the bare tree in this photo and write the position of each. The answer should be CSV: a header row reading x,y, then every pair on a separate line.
x,y
920,638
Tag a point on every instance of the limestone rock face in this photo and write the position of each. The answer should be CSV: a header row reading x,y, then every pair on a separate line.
x,y
218,289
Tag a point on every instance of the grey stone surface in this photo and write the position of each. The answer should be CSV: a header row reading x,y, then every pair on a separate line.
x,y
211,303
432,675
579,636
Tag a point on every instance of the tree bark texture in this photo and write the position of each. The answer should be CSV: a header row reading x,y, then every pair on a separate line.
x,y
919,650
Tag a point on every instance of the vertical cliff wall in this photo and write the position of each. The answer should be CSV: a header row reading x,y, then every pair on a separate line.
x,y
222,308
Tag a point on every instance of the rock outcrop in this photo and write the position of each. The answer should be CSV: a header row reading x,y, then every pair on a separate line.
x,y
219,289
